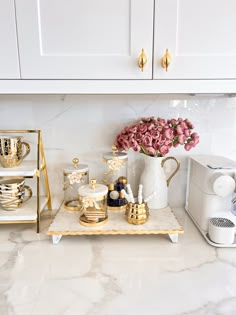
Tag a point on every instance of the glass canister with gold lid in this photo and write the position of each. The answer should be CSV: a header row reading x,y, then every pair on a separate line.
x,y
115,177
94,204
75,175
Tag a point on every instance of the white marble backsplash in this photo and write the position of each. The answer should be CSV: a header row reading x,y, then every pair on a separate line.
x,y
86,126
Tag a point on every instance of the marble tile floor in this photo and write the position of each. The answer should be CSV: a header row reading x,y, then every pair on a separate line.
x,y
113,275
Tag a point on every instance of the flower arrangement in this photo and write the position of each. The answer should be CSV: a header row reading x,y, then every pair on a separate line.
x,y
155,136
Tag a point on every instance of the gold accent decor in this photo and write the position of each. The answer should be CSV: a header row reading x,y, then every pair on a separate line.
x,y
106,160
122,180
175,171
93,183
114,166
166,60
83,174
160,222
83,221
12,193
114,149
115,232
111,187
44,168
142,60
116,208
75,162
94,198
90,203
75,177
40,166
93,214
72,208
137,213
37,173
11,151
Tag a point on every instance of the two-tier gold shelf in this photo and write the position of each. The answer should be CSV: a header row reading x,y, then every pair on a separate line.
x,y
30,211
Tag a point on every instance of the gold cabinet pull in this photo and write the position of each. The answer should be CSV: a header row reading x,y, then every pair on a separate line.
x,y
142,60
166,60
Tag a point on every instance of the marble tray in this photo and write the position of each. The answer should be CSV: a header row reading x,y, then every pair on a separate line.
x,y
162,221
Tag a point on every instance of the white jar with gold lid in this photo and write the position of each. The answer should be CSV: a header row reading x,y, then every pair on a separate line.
x,y
94,204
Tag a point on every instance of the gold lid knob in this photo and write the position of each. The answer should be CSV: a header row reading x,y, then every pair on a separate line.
x,y
114,149
122,180
111,187
93,183
75,162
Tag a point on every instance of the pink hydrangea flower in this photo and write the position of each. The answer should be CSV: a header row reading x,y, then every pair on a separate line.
x,y
155,136
147,140
151,151
142,128
164,150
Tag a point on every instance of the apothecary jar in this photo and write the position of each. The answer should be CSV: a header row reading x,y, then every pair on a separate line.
x,y
115,177
94,204
75,175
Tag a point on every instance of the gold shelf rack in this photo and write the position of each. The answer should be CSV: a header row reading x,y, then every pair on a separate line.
x,y
31,173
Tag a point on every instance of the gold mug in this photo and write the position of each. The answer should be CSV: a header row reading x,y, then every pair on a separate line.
x,y
11,151
12,193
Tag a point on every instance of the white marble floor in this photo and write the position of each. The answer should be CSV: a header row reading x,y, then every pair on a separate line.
x,y
113,275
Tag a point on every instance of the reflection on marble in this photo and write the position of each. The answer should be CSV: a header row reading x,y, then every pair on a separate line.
x,y
86,126
103,275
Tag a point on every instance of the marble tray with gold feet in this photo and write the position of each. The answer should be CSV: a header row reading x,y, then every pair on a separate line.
x,y
162,221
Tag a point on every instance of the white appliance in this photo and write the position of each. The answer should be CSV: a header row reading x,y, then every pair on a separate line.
x,y
210,190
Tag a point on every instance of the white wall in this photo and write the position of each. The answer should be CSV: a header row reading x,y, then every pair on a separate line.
x,y
86,126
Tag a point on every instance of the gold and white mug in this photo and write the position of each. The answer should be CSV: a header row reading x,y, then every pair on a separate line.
x,y
13,193
12,150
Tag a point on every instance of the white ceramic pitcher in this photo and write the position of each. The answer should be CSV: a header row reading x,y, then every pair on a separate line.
x,y
154,180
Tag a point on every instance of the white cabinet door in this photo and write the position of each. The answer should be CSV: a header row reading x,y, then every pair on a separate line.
x,y
9,63
200,36
84,39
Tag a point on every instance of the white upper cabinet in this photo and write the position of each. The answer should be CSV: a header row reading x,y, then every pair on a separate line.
x,y
9,63
200,37
84,39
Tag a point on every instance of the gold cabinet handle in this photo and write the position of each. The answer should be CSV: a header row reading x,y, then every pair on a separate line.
x,y
166,60
142,60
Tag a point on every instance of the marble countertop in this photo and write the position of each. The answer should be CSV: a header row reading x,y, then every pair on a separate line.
x,y
114,274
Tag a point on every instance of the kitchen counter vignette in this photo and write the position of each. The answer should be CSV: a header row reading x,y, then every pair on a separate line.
x,y
105,273
177,150
151,136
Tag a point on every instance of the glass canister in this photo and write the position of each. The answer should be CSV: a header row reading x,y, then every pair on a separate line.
x,y
115,177
94,204
75,175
